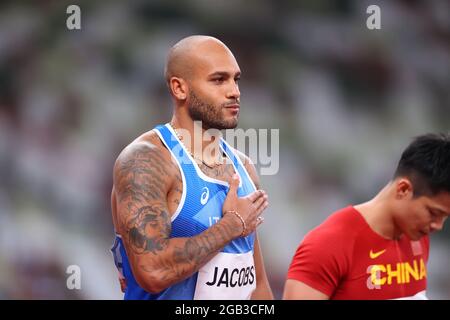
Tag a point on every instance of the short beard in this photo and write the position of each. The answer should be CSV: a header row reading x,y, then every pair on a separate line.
x,y
210,115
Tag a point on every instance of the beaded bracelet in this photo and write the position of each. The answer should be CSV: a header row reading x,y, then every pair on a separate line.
x,y
244,226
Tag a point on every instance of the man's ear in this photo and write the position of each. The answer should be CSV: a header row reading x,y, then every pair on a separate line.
x,y
179,88
403,188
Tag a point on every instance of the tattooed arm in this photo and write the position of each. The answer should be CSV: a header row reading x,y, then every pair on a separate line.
x,y
143,177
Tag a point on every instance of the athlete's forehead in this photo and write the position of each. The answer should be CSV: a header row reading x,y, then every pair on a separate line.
x,y
200,56
211,57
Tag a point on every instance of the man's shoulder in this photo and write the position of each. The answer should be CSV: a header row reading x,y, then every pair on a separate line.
x,y
341,225
147,149
146,142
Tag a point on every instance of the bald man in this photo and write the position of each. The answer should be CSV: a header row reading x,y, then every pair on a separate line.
x,y
186,205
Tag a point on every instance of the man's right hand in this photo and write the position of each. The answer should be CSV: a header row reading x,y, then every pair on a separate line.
x,y
249,207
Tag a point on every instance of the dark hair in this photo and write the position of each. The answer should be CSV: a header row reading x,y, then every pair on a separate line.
x,y
426,162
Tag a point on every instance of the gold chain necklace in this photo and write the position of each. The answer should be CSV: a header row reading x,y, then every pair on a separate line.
x,y
211,166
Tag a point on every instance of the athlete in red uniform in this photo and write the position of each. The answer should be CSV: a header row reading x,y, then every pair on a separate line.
x,y
379,249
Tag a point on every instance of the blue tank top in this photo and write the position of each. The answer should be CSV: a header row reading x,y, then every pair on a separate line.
x,y
231,273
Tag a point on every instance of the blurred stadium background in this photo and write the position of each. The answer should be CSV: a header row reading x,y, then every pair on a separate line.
x,y
347,101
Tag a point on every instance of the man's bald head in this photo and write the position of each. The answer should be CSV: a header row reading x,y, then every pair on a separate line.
x,y
202,75
186,55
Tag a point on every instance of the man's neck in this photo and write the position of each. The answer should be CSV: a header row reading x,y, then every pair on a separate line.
x,y
203,144
378,215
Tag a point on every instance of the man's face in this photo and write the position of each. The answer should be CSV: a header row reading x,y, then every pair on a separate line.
x,y
419,216
213,89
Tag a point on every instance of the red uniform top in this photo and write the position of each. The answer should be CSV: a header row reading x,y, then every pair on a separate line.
x,y
345,259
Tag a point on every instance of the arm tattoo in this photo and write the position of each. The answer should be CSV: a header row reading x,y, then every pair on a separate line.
x,y
142,175
186,255
141,181
149,229
198,250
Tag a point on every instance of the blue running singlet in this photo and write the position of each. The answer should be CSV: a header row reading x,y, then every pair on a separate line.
x,y
231,273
